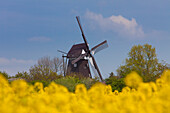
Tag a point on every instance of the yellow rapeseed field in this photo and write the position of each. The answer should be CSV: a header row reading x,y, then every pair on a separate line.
x,y
139,97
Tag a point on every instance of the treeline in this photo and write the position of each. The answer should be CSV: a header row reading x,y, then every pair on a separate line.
x,y
141,59
49,70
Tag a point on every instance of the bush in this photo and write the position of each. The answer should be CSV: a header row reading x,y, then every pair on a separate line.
x,y
71,81
116,83
45,83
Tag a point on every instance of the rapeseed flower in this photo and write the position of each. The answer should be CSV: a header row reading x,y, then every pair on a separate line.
x,y
20,97
133,80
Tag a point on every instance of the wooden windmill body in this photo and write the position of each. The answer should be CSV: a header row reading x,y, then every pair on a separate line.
x,y
81,66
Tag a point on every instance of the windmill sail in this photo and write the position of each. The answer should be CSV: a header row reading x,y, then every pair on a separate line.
x,y
61,51
84,38
99,47
95,73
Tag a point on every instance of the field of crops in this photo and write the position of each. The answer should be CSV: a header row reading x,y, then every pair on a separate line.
x,y
139,97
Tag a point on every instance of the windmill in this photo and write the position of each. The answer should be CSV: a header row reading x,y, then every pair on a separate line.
x,y
80,55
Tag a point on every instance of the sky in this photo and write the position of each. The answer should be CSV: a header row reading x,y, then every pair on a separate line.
x,y
32,29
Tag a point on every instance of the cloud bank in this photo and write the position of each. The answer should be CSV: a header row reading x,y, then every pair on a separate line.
x,y
119,24
14,61
13,66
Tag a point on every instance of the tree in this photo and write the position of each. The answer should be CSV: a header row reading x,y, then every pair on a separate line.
x,y
143,60
46,68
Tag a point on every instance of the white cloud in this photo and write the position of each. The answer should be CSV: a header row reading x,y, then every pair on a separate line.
x,y
12,66
118,24
40,39
14,61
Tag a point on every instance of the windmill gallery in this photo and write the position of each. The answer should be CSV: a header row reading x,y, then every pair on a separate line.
x,y
80,56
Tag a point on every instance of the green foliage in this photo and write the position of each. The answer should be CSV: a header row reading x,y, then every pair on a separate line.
x,y
71,81
115,82
88,82
44,82
143,60
23,75
51,77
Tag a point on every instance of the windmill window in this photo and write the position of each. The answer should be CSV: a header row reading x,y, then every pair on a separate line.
x,y
75,65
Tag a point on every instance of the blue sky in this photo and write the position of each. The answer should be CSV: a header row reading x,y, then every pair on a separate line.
x,y
31,29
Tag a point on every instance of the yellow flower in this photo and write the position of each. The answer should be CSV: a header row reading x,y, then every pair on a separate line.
x,y
166,76
133,80
19,97
38,87
81,89
145,89
3,82
20,87
116,92
126,90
